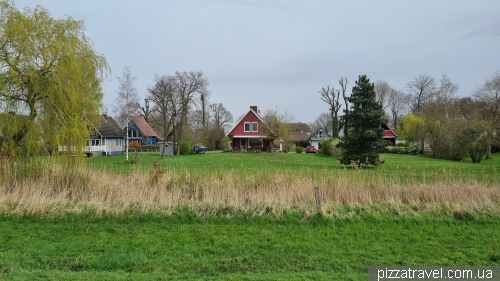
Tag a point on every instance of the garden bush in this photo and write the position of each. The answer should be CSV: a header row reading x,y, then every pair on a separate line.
x,y
329,148
151,147
299,149
224,142
398,150
135,145
303,143
185,148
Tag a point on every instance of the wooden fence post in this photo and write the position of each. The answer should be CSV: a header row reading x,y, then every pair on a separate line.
x,y
318,199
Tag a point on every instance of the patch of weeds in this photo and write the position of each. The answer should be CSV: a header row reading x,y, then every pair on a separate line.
x,y
156,172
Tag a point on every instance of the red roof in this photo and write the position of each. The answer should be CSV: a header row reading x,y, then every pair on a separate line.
x,y
389,133
144,126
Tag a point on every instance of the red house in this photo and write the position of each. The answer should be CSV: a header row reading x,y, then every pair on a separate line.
x,y
389,135
247,134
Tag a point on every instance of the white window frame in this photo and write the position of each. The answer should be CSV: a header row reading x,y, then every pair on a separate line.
x,y
256,124
245,127
96,142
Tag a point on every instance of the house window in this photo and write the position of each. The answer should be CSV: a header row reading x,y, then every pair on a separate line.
x,y
96,142
255,142
247,127
118,142
255,126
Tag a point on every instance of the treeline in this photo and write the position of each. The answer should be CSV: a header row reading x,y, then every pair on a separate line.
x,y
429,114
177,106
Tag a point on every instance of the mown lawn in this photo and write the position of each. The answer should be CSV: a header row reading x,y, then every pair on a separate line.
x,y
407,165
186,247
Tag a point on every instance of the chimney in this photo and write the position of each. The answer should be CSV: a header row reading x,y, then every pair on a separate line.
x,y
104,111
253,107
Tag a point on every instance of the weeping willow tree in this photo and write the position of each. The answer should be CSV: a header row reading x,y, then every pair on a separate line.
x,y
50,81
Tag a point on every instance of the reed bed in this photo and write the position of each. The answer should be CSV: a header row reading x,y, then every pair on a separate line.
x,y
48,185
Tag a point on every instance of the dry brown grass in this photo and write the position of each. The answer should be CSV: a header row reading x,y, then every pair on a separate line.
x,y
49,186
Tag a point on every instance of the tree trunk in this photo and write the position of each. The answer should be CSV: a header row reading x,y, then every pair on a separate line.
x,y
488,154
335,132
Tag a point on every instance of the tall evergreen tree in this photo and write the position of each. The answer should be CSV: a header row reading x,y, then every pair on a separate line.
x,y
364,141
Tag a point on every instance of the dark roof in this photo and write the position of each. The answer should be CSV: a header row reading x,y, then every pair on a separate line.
x,y
144,126
109,128
300,127
298,136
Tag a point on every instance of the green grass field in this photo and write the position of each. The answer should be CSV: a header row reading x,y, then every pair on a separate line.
x,y
236,244
405,164
187,247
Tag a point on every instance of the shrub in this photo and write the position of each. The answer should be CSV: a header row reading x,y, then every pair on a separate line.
x,y
224,142
151,147
299,149
285,150
303,143
414,149
135,145
185,148
318,151
398,150
329,148
401,144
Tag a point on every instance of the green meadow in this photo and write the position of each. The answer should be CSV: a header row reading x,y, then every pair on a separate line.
x,y
70,235
405,165
187,247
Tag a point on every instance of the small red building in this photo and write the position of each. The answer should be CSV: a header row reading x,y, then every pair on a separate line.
x,y
247,134
389,135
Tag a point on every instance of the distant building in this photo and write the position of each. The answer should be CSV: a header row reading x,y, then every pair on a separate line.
x,y
247,134
140,131
318,137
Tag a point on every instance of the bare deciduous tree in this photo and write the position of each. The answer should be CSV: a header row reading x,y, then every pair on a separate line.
x,y
323,121
397,101
127,102
489,93
145,111
220,116
166,103
382,90
422,89
343,87
446,89
190,86
332,98
219,121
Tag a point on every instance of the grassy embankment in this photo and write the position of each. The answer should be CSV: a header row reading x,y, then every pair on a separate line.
x,y
248,217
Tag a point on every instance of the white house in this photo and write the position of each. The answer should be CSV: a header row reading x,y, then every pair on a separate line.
x,y
318,137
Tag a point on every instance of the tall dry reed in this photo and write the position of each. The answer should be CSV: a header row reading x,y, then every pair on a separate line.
x,y
48,185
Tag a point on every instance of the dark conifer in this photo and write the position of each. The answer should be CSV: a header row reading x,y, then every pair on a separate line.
x,y
364,141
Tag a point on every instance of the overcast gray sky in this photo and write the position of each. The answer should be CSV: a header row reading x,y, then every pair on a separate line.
x,y
280,53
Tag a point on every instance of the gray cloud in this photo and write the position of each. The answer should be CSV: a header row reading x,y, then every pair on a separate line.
x,y
282,52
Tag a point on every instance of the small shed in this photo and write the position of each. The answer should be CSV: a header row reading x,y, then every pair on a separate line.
x,y
169,151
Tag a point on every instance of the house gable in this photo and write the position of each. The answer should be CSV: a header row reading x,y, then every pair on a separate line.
x,y
251,119
320,134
